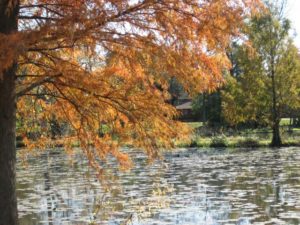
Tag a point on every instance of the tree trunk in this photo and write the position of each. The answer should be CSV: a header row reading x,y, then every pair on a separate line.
x,y
8,200
276,139
204,109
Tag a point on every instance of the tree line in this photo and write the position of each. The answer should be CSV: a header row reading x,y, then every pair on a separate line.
x,y
263,84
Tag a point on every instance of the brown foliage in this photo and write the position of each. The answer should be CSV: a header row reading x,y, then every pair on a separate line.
x,y
98,64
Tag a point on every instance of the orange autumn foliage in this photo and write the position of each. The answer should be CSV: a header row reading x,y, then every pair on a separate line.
x,y
101,68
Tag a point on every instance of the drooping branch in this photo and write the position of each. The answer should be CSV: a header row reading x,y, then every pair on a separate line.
x,y
35,84
37,18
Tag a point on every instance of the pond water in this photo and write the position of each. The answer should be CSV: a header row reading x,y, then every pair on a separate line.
x,y
186,187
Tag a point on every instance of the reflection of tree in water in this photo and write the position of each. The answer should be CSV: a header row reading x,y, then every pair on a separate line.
x,y
53,198
59,193
134,197
49,197
189,189
265,185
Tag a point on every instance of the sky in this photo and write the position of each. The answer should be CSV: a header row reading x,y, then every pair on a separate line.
x,y
293,13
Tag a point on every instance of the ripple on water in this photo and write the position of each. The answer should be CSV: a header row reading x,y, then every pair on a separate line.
x,y
257,187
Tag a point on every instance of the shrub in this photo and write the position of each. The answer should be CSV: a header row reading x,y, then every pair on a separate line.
x,y
219,142
193,144
248,143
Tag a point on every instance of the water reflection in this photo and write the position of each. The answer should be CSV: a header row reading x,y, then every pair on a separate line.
x,y
258,187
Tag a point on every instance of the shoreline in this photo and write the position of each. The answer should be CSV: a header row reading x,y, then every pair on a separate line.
x,y
234,143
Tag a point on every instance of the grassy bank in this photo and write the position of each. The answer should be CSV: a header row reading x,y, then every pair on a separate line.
x,y
207,137
246,138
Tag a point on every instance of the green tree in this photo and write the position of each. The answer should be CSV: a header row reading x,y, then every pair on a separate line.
x,y
175,90
208,107
269,76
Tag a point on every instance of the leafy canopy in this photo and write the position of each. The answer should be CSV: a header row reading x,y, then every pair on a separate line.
x,y
249,94
100,68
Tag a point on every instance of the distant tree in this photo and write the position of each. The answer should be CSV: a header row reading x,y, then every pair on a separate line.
x,y
207,106
175,90
269,75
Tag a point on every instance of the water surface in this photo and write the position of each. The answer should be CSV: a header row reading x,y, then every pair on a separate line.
x,y
187,188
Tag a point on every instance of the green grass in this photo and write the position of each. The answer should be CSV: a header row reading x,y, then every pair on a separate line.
x,y
285,122
233,142
248,138
194,125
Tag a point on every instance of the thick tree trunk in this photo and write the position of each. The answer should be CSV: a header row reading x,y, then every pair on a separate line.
x,y
8,200
276,139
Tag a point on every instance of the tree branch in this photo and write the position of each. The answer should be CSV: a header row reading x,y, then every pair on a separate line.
x,y
36,84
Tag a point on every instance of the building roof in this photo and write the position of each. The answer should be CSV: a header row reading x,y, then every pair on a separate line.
x,y
187,105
